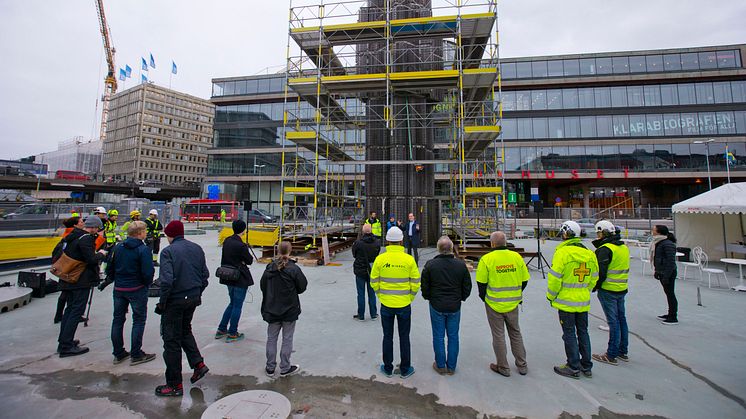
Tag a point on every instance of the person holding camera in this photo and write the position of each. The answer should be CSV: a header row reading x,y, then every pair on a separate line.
x,y
131,268
235,274
80,247
183,278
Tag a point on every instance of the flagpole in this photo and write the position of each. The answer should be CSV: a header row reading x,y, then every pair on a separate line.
x,y
727,162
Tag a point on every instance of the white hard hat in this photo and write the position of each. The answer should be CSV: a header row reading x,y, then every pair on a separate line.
x,y
153,212
99,210
571,228
394,235
605,226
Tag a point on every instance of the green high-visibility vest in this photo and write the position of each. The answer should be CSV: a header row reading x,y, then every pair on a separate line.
x,y
571,278
618,273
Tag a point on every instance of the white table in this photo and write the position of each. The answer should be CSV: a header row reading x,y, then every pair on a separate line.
x,y
740,263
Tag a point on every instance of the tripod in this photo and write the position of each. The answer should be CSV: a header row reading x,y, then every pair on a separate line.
x,y
540,260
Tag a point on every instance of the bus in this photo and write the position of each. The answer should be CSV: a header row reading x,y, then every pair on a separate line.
x,y
70,175
209,209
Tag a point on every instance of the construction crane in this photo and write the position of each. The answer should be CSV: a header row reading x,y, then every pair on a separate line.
x,y
110,82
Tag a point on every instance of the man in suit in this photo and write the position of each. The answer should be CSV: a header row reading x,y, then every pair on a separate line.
x,y
412,235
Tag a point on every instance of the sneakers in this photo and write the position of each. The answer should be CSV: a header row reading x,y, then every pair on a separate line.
x,y
199,371
76,342
358,318
605,359
373,317
386,373
604,327
220,334
121,358
566,371
234,338
624,357
136,360
587,373
74,351
503,372
441,371
169,391
294,369
670,322
408,373
269,372
663,316
523,370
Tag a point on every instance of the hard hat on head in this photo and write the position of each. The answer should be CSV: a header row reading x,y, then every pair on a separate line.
x,y
394,235
135,213
570,229
605,227
113,212
75,214
153,212
99,210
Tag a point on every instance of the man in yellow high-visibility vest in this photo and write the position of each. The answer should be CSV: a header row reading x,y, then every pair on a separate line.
x,y
613,264
573,275
396,279
502,276
375,224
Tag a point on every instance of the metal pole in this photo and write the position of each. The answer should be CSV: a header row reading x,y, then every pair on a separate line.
x,y
650,218
709,178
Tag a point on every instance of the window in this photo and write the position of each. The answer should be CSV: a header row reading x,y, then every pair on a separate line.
x,y
587,66
739,91
509,129
602,97
554,68
570,98
556,128
572,127
635,96
603,66
740,120
230,88
539,69
687,94
604,127
508,101
654,63
708,60
585,98
722,92
251,86
654,125
588,126
572,67
620,65
637,64
689,124
690,61
538,100
680,156
621,125
524,129
262,86
672,62
523,100
669,95
241,87
618,97
672,124
726,122
705,95
540,128
217,89
637,126
727,59
554,99
507,70
523,70
652,95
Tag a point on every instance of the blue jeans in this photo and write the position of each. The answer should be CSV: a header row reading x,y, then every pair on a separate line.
x,y
613,305
363,284
403,317
232,313
445,324
138,300
577,341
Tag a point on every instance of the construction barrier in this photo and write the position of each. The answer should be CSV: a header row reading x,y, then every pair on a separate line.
x,y
257,236
13,248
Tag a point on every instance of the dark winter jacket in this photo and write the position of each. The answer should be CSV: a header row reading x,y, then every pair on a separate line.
x,y
664,261
130,265
81,246
236,254
414,239
280,290
603,255
446,282
183,271
365,251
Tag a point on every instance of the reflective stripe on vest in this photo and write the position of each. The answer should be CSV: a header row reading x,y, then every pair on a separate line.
x,y
394,277
574,285
555,273
504,289
617,276
504,299
504,273
573,303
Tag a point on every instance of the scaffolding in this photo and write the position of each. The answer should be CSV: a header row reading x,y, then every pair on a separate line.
x,y
382,76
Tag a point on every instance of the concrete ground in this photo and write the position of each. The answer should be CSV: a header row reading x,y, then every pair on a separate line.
x,y
693,370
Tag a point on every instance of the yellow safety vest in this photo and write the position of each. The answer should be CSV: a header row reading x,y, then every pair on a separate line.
x,y
395,277
573,275
123,230
504,272
618,273
375,227
110,231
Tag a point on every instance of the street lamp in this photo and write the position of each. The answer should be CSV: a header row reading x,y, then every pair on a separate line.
x,y
707,145
259,186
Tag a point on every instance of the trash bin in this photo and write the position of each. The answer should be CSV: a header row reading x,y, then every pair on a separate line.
x,y
687,254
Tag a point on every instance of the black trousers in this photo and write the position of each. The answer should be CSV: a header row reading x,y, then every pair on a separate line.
x,y
76,300
673,303
412,250
176,331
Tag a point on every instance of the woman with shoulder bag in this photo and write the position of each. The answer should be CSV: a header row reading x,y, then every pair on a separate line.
x,y
663,258
235,274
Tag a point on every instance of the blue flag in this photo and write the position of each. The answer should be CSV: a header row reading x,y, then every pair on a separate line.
x,y
144,64
128,71
143,78
152,60
122,74
173,67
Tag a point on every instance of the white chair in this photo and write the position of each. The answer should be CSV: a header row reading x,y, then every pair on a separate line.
x,y
704,267
645,260
696,255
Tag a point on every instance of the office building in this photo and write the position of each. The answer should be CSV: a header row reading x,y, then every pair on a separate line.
x,y
75,155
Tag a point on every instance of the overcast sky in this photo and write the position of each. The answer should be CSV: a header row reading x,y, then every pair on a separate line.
x,y
53,66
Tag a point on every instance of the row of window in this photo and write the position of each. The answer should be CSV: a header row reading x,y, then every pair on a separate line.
x,y
635,157
168,178
653,63
175,134
188,104
705,93
175,112
275,84
159,165
608,126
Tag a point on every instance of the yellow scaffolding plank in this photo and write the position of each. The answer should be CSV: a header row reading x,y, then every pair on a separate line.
x,y
394,23
472,190
484,128
300,135
300,190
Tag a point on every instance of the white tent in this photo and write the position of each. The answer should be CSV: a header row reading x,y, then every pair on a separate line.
x,y
713,220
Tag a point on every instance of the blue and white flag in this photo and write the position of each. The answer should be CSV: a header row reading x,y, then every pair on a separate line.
x,y
144,64
122,74
143,78
128,71
152,60
173,67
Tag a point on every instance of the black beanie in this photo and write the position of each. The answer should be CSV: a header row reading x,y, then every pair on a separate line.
x,y
239,226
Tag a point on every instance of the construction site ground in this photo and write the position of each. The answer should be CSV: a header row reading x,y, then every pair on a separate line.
x,y
693,370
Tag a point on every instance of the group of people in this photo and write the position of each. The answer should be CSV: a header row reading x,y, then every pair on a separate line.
x,y
501,276
410,229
